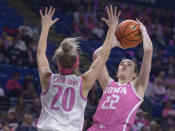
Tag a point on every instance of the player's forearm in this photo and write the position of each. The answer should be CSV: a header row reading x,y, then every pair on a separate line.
x,y
42,45
147,43
109,39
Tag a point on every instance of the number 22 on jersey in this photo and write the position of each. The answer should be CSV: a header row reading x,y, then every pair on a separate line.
x,y
110,101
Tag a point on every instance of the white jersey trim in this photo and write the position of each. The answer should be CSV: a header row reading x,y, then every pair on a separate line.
x,y
127,119
132,85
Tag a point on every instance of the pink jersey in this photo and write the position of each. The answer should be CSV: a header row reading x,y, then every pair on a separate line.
x,y
62,104
117,108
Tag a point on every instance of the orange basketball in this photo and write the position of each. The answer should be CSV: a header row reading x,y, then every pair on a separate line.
x,y
128,34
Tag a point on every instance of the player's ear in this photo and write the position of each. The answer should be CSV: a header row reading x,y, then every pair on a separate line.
x,y
134,75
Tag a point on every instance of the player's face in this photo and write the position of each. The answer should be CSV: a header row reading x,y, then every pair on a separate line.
x,y
126,68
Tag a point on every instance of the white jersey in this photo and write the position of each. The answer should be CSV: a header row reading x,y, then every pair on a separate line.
x,y
62,104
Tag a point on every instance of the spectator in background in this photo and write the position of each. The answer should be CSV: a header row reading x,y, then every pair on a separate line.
x,y
158,89
161,77
89,13
168,110
168,123
30,55
29,93
77,13
76,28
140,120
20,44
7,40
157,66
10,122
26,32
154,126
90,23
14,54
20,109
170,93
170,80
98,30
13,87
149,92
144,128
25,29
1,91
1,121
36,108
27,124
3,58
82,25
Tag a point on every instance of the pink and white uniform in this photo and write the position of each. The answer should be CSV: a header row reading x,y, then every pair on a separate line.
x,y
62,104
117,108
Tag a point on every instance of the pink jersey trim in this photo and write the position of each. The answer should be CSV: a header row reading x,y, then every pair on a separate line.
x,y
132,86
81,91
45,92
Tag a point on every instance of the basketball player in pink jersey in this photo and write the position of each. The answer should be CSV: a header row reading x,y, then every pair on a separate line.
x,y
64,95
121,100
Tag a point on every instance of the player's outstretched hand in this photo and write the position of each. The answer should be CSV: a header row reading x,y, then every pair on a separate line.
x,y
46,19
113,17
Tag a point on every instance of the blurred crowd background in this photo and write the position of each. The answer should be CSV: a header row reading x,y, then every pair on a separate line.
x,y
19,33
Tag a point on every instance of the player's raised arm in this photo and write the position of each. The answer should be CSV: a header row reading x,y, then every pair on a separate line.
x,y
43,65
89,77
143,77
104,75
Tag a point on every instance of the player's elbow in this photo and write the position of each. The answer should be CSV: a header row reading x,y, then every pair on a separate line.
x,y
105,54
94,56
149,50
149,47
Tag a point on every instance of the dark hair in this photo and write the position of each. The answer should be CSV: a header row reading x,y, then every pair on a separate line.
x,y
67,53
135,68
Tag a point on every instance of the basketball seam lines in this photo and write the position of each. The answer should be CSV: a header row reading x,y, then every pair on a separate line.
x,y
126,28
128,34
131,40
125,44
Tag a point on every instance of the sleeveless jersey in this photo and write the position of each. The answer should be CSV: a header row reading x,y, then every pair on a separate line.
x,y
62,104
117,108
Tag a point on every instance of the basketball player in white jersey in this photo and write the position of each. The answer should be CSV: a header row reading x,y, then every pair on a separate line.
x,y
64,95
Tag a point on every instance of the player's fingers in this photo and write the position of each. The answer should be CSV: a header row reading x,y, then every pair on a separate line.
x,y
138,21
46,10
105,20
111,10
115,11
108,13
41,13
118,15
55,20
50,10
53,11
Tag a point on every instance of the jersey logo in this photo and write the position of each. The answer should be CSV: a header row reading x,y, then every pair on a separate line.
x,y
133,27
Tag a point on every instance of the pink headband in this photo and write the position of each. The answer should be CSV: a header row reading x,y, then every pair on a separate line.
x,y
67,71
